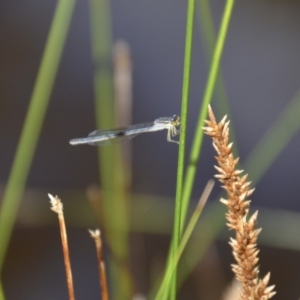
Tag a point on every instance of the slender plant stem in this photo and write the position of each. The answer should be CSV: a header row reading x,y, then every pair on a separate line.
x,y
110,164
33,121
198,138
2,297
183,195
185,238
57,207
95,234
101,41
184,111
208,37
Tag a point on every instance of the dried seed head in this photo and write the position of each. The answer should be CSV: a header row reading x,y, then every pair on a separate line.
x,y
244,245
56,204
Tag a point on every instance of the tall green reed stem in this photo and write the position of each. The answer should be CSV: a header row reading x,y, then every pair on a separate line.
x,y
184,111
183,193
209,89
208,36
110,165
2,296
185,238
33,121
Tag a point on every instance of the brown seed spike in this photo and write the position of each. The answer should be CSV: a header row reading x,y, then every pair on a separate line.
x,y
226,125
211,114
244,246
223,121
224,201
207,129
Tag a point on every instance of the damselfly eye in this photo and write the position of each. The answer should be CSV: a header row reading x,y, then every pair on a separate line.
x,y
176,120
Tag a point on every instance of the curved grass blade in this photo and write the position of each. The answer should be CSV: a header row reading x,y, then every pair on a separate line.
x,y
209,37
185,237
33,121
177,229
111,169
209,89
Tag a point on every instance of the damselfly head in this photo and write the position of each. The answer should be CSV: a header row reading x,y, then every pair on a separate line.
x,y
175,120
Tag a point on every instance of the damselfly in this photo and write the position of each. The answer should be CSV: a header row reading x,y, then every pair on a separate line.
x,y
104,137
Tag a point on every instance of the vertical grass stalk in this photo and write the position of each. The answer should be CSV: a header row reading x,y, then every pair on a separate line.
x,y
96,235
209,89
208,40
185,238
184,111
57,207
110,163
208,37
33,121
1,292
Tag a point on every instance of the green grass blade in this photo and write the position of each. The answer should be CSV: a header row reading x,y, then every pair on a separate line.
x,y
198,138
33,121
210,226
183,195
101,40
115,210
185,238
208,40
2,297
208,36
274,140
177,229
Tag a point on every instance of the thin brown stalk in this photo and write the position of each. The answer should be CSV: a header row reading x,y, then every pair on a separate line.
x,y
232,291
95,234
238,190
123,82
57,206
123,100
